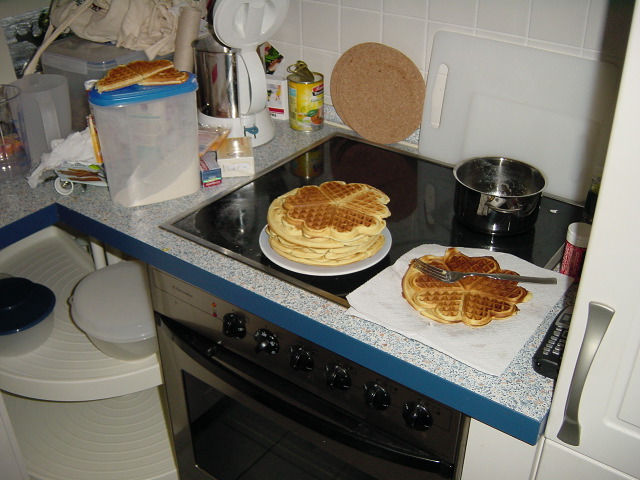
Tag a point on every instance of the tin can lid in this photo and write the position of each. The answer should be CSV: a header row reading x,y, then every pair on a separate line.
x,y
141,93
578,234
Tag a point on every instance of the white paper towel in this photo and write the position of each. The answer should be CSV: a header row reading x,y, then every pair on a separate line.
x,y
489,348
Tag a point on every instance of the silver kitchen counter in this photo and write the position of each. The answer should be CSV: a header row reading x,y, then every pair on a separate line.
x,y
516,403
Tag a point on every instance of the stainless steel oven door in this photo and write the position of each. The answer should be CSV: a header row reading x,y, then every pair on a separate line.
x,y
234,420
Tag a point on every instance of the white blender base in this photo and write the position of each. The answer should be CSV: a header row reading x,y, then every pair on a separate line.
x,y
259,127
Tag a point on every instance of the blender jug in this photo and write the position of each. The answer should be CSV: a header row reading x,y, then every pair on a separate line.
x,y
14,155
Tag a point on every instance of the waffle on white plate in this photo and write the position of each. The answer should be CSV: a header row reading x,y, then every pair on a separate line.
x,y
333,224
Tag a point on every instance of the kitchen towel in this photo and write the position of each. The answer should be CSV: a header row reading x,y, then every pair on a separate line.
x,y
490,348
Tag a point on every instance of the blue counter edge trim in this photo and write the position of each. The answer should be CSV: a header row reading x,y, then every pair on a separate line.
x,y
473,405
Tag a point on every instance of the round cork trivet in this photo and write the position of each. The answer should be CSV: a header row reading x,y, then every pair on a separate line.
x,y
378,92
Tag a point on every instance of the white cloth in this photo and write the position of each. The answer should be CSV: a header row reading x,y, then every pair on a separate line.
x,y
76,148
489,348
149,25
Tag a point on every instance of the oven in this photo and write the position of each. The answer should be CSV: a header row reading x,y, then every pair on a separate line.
x,y
249,400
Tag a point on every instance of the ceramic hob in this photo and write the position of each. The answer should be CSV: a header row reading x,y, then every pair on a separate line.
x,y
421,206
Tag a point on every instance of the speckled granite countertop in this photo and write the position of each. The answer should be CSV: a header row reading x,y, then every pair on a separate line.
x,y
516,403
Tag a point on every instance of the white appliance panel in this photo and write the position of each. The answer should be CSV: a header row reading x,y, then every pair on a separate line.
x,y
559,463
490,98
607,405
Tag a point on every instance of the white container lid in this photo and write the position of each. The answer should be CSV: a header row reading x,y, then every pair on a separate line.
x,y
578,234
113,304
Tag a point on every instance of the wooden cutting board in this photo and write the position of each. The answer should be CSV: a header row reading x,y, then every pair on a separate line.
x,y
490,98
378,92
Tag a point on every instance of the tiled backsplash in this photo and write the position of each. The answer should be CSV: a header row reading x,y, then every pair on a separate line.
x,y
320,31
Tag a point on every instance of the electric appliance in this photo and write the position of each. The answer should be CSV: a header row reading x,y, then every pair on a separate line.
x,y
233,86
593,430
422,205
248,399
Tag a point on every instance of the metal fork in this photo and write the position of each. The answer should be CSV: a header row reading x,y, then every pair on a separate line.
x,y
449,276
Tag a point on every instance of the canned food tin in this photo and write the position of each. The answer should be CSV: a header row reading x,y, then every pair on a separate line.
x,y
306,102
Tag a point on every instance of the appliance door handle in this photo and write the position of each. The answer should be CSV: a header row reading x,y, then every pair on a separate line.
x,y
598,321
326,419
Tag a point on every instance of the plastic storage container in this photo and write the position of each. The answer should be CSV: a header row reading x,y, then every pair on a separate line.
x,y
149,141
25,315
112,306
80,60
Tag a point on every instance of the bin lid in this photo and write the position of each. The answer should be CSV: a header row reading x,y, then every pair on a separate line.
x,y
113,304
141,93
77,55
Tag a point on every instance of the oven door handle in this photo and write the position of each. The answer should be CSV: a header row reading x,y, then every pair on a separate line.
x,y
325,418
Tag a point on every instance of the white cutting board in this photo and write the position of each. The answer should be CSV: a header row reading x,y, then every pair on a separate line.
x,y
490,98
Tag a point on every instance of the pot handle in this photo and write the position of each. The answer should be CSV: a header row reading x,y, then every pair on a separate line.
x,y
490,202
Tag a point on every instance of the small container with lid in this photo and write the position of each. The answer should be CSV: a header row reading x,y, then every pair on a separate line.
x,y
112,306
575,249
149,141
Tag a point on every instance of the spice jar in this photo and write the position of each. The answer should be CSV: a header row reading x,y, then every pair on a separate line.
x,y
575,248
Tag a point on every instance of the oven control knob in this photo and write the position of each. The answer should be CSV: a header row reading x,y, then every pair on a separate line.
x,y
301,359
233,325
266,342
375,396
337,377
417,416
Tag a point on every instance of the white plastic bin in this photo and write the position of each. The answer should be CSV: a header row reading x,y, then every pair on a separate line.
x,y
149,141
80,60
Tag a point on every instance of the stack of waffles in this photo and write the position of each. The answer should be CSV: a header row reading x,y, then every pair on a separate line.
x,y
474,301
333,224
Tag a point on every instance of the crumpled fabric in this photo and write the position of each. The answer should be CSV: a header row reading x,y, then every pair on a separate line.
x,y
76,148
148,25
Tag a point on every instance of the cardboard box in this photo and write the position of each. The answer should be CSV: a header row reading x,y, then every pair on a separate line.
x,y
210,171
277,97
235,157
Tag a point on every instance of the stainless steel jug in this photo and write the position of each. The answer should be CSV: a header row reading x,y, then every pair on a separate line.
x,y
216,71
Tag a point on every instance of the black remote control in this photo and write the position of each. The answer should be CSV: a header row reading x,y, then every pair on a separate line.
x,y
546,360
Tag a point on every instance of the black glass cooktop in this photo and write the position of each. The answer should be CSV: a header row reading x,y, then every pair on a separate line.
x,y
421,205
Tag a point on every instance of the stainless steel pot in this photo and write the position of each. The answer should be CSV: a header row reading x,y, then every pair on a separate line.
x,y
497,195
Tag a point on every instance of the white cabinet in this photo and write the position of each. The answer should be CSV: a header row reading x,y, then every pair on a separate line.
x,y
491,454
10,458
76,412
560,463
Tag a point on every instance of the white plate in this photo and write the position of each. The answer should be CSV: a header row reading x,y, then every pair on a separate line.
x,y
319,270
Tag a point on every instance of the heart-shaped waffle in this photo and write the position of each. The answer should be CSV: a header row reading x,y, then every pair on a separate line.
x,y
474,301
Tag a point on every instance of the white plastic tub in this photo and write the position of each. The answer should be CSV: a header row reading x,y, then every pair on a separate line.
x,y
112,306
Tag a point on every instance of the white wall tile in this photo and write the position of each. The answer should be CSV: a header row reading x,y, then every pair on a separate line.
x,y
319,31
407,35
290,30
559,21
411,8
320,25
458,12
374,5
510,17
359,26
